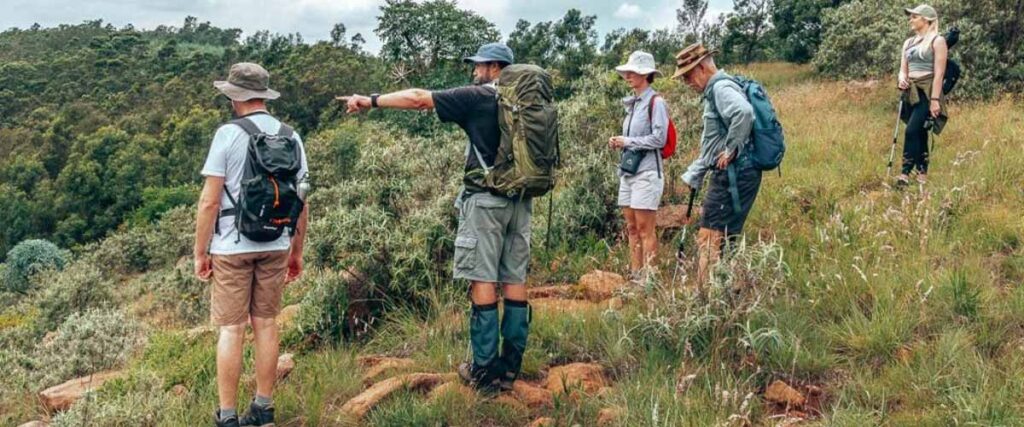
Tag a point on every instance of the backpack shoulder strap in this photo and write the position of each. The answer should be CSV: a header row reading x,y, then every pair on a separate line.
x,y
285,131
247,125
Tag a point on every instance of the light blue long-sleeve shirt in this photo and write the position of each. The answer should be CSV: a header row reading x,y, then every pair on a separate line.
x,y
645,132
738,117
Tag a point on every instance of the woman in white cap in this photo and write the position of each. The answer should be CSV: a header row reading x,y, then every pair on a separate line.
x,y
641,183
922,69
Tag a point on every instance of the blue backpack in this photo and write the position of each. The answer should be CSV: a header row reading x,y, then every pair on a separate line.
x,y
767,141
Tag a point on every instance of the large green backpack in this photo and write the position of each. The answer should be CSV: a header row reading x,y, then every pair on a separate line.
x,y
528,153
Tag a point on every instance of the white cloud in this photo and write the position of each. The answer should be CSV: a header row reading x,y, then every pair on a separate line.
x,y
628,11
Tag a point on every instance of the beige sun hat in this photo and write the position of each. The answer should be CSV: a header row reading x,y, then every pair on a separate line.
x,y
246,81
640,62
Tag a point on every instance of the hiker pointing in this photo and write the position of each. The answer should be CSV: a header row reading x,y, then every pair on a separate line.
x,y
507,110
724,152
249,236
644,135
922,72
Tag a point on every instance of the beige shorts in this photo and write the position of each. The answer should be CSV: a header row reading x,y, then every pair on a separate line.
x,y
641,191
247,285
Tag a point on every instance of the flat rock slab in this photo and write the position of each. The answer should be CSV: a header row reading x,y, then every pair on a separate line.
x,y
550,292
533,396
384,365
35,424
559,305
452,387
543,422
568,379
672,216
61,397
781,393
601,285
359,406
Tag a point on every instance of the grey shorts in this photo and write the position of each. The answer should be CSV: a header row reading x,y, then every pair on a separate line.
x,y
493,241
641,191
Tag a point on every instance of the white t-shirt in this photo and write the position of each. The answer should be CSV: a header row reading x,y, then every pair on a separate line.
x,y
227,159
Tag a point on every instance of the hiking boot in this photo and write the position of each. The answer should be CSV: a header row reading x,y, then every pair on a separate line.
x,y
258,416
231,421
507,381
476,377
902,182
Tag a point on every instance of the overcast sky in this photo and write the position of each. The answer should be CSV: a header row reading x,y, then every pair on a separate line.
x,y
314,18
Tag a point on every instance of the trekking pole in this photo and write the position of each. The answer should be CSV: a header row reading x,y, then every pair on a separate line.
x,y
547,238
680,252
895,133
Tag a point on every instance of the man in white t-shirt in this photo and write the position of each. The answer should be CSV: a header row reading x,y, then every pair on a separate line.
x,y
248,277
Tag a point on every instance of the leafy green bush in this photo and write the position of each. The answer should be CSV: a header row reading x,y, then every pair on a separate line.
x,y
325,308
79,287
179,290
29,258
89,342
157,200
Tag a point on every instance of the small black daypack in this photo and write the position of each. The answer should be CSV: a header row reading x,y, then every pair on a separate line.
x,y
268,201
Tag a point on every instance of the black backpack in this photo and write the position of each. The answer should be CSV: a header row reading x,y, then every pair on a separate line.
x,y
268,201
953,72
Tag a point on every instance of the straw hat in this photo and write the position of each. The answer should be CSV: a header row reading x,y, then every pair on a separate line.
x,y
689,57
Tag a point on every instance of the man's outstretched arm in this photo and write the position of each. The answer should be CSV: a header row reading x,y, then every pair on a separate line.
x,y
409,99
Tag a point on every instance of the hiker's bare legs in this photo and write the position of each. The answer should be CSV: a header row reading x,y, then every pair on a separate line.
x,y
266,342
709,248
229,363
514,291
636,250
483,293
646,221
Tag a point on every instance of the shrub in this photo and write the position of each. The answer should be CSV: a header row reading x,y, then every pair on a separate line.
x,y
76,289
179,290
28,258
325,308
89,342
157,200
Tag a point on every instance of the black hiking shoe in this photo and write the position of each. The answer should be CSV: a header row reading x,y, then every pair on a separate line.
x,y
231,421
507,381
258,416
477,377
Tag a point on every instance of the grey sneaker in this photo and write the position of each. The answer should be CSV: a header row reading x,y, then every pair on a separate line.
x,y
258,416
231,421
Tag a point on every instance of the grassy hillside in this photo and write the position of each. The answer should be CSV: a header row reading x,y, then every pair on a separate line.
x,y
885,307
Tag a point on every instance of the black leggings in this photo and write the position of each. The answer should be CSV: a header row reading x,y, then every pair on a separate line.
x,y
915,145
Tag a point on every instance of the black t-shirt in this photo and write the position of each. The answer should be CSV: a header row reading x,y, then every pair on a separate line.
x,y
475,110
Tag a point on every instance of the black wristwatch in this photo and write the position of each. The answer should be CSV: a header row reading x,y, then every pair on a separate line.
x,y
373,99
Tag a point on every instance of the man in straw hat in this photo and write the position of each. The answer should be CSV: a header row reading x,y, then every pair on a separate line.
x,y
728,120
248,276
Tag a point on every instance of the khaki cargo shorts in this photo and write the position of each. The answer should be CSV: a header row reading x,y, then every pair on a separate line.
x,y
247,285
493,241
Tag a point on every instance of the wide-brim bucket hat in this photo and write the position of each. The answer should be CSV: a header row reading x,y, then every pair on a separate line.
x,y
247,81
640,62
689,57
